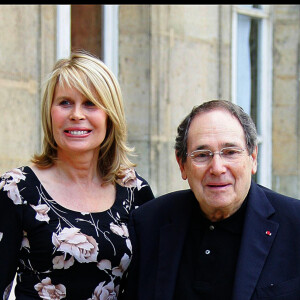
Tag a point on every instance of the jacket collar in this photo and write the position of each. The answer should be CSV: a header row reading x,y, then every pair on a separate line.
x,y
258,235
172,237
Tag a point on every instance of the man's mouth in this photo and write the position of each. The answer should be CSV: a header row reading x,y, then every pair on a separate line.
x,y
221,185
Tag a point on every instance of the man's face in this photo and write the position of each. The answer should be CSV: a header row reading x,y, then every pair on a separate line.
x,y
219,186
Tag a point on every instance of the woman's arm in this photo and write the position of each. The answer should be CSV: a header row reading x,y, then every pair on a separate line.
x,y
11,234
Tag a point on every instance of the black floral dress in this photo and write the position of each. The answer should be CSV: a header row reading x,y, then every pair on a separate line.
x,y
59,253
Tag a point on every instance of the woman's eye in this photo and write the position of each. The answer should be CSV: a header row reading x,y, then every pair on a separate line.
x,y
89,103
64,102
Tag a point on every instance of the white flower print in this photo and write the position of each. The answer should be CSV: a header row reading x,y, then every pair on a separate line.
x,y
10,185
130,180
7,291
59,262
120,230
125,261
16,174
2,183
41,212
94,245
84,248
25,241
139,184
47,290
104,264
105,292
129,245
132,183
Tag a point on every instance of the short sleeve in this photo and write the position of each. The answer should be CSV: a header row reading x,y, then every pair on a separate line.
x,y
138,185
144,192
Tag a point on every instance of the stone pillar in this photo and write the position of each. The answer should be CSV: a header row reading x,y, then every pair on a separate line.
x,y
169,62
286,103
27,51
134,78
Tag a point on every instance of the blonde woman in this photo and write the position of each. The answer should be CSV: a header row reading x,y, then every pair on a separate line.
x,y
63,219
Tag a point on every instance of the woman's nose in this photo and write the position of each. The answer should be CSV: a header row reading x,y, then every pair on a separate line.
x,y
77,113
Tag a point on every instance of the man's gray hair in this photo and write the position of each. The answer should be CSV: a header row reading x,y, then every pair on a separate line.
x,y
235,110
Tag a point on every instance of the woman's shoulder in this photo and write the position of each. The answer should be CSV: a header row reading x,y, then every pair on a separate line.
x,y
14,181
14,175
19,178
139,187
131,179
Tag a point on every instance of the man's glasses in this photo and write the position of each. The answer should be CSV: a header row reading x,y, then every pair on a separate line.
x,y
228,154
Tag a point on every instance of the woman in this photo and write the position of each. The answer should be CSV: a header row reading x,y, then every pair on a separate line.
x,y
63,219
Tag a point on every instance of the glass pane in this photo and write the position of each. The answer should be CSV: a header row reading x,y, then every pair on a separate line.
x,y
249,6
249,72
243,63
248,66
254,58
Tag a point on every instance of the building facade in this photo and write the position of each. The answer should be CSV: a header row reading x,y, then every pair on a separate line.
x,y
168,58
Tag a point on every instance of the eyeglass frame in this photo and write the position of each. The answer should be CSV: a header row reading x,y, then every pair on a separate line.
x,y
212,154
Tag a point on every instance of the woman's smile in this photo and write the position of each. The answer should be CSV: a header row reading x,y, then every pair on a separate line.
x,y
77,133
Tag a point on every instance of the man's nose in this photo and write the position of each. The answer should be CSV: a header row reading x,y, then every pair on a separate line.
x,y
217,165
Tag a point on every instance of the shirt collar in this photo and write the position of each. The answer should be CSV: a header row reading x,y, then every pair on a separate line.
x,y
234,223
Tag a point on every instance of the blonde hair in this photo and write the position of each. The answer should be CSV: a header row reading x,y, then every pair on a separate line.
x,y
90,76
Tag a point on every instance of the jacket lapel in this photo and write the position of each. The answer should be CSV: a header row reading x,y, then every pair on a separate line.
x,y
258,235
172,238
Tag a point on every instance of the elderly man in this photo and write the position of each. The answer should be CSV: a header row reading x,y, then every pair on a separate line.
x,y
224,238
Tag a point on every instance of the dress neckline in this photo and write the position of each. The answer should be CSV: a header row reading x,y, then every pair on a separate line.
x,y
49,197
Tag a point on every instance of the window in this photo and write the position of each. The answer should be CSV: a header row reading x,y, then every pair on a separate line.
x,y
251,77
86,28
90,27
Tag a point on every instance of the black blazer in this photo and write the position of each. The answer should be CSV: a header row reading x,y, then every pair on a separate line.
x,y
268,265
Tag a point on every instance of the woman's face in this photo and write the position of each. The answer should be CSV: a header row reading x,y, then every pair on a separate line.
x,y
78,125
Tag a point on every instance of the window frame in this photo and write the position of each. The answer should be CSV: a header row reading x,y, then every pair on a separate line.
x,y
111,37
265,92
63,35
110,34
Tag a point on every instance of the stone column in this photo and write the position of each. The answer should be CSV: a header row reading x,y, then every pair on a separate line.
x,y
169,62
286,103
27,50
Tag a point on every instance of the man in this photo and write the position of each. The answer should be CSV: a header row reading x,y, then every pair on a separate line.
x,y
226,237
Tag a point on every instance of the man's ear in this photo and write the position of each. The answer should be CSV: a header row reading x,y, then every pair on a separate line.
x,y
181,167
254,160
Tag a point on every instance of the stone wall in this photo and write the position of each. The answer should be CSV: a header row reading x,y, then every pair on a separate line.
x,y
27,52
286,103
171,57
